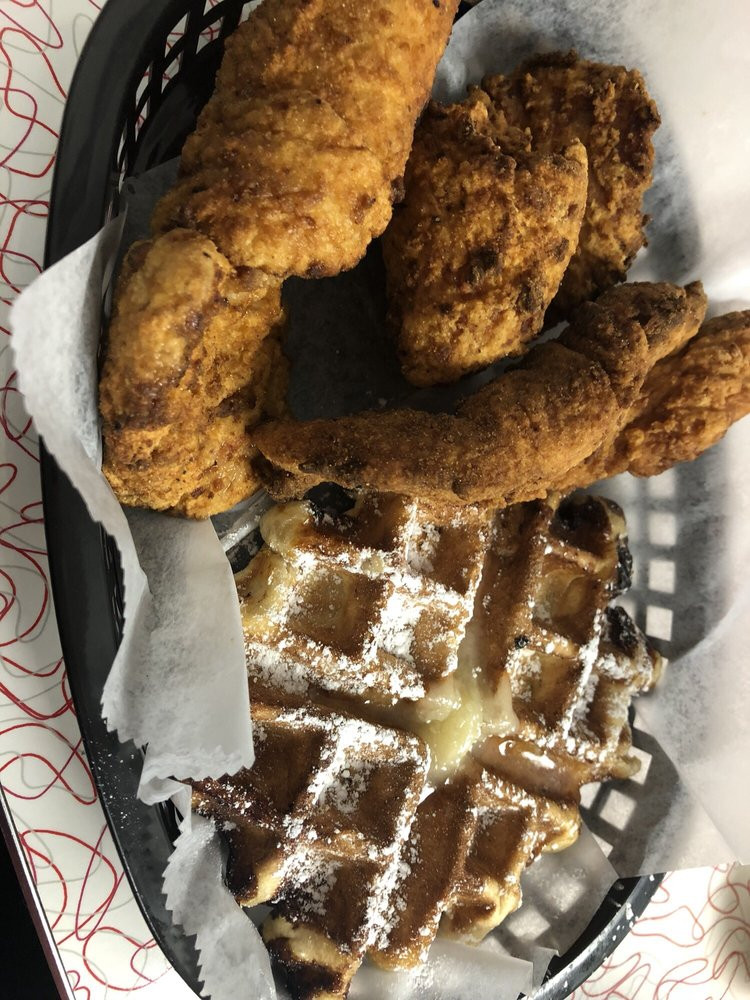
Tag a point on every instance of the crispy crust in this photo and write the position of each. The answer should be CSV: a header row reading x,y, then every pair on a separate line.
x,y
292,170
518,436
478,248
298,155
555,98
687,403
189,369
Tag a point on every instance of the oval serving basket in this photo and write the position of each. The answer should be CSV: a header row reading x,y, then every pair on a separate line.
x,y
145,72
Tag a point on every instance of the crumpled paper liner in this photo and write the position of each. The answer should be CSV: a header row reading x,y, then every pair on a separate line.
x,y
167,689
178,683
233,959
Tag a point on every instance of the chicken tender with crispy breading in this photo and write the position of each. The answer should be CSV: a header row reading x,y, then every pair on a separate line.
x,y
299,154
519,435
555,98
191,366
292,170
477,250
687,403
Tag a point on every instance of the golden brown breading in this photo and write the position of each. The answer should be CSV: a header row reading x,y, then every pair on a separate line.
x,y
292,170
556,98
687,403
297,156
479,246
189,369
516,437
669,315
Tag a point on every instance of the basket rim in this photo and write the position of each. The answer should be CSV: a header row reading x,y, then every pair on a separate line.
x,y
84,189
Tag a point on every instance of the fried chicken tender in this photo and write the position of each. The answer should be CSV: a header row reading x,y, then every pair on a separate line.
x,y
190,368
518,436
686,404
478,248
300,152
292,170
550,101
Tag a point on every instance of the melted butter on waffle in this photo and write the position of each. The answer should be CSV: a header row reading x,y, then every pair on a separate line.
x,y
431,687
476,712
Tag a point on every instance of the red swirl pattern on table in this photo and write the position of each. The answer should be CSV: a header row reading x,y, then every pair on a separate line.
x,y
693,942
104,943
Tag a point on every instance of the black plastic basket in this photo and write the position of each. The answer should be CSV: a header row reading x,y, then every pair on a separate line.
x,y
144,74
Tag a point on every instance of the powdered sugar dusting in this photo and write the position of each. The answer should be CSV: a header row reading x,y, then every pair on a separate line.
x,y
360,605
343,794
308,558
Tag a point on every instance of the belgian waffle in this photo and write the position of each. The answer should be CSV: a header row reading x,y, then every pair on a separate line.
x,y
544,622
372,605
470,841
367,612
318,824
431,688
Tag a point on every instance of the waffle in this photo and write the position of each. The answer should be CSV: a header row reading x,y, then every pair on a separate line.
x,y
317,824
430,690
470,841
545,624
367,611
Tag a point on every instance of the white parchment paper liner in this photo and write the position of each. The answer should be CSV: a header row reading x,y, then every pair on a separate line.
x,y
169,688
178,683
